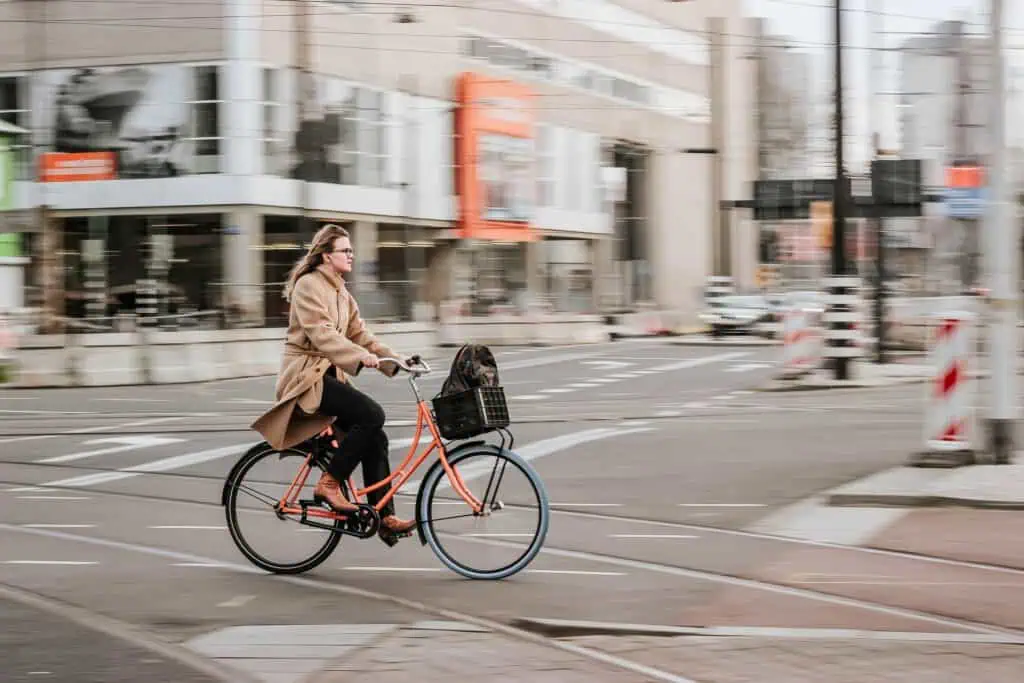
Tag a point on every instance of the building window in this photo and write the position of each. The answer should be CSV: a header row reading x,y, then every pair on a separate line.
x,y
373,137
12,111
272,135
205,107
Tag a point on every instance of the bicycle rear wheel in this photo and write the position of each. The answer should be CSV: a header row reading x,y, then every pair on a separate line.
x,y
507,536
277,543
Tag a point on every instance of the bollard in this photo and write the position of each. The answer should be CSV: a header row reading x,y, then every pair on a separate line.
x,y
949,414
801,343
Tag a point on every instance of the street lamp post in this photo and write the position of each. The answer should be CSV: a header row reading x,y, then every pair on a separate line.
x,y
1002,261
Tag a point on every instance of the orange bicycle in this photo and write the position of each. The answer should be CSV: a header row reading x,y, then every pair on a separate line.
x,y
508,530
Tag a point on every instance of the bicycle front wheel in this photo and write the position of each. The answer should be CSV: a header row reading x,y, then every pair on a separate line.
x,y
507,535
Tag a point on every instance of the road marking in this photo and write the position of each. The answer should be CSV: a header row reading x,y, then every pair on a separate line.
x,y
189,527
129,443
697,362
392,569
90,430
53,498
199,564
498,534
668,413
135,400
621,376
249,401
577,572
237,601
607,364
589,505
557,390
162,465
528,397
652,536
60,562
721,505
746,367
583,385
59,526
695,404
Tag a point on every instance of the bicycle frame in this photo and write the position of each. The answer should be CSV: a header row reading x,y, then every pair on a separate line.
x,y
289,502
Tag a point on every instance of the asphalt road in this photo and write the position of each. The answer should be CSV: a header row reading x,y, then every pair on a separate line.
x,y
647,449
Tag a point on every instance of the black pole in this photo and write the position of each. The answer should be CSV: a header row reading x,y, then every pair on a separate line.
x,y
839,265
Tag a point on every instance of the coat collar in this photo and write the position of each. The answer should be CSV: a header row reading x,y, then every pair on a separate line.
x,y
336,281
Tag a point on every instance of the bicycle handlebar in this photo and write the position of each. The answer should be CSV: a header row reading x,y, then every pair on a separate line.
x,y
421,367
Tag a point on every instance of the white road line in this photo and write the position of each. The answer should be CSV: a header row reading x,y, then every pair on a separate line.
x,y
134,400
498,534
652,536
587,505
697,362
746,367
392,569
237,601
53,498
528,397
557,390
576,572
668,413
163,465
90,430
183,527
721,505
129,443
60,562
695,404
59,526
583,385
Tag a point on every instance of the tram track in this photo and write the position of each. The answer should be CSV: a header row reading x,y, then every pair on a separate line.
x,y
689,570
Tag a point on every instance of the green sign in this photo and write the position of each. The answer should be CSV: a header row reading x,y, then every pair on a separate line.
x,y
6,174
10,244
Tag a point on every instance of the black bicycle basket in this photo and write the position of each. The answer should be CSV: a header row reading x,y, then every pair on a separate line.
x,y
468,413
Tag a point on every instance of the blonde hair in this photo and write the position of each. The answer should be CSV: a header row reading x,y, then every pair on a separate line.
x,y
323,242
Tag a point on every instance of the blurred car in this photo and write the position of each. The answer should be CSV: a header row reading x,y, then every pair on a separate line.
x,y
736,314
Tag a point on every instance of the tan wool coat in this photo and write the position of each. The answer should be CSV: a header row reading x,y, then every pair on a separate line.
x,y
324,329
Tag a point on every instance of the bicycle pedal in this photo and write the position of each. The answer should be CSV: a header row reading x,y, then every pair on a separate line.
x,y
311,503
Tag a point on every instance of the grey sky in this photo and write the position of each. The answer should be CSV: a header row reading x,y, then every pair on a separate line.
x,y
809,24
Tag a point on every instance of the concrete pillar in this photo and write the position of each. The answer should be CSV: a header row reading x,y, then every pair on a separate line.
x,y
602,267
535,265
364,242
242,264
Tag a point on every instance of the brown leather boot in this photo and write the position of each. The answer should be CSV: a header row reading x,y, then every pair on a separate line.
x,y
329,490
392,528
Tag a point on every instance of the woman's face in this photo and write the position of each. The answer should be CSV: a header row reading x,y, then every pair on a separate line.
x,y
340,257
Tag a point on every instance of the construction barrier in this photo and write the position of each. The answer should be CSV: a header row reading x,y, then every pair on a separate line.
x,y
801,342
949,416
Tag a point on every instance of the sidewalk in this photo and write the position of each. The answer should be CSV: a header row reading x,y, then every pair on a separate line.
x,y
974,486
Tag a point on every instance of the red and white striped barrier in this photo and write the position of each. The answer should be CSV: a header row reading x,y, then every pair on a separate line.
x,y
949,416
801,342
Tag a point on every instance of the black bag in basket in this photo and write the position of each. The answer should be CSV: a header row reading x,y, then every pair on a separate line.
x,y
474,366
471,401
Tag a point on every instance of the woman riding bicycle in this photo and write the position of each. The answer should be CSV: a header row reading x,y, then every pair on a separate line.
x,y
327,340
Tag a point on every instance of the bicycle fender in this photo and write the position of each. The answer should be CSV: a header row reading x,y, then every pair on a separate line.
x,y
436,465
261,446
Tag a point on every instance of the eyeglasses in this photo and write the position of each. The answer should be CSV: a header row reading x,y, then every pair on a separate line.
x,y
348,251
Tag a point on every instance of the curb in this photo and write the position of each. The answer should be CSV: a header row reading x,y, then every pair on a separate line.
x,y
777,386
922,500
911,487
564,628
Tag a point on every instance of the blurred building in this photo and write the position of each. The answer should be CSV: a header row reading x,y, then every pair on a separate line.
x,y
944,107
573,152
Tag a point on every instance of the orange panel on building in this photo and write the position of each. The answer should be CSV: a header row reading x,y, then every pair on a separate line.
x,y
60,167
494,155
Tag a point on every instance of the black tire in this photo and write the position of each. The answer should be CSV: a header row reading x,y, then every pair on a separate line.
x,y
234,486
429,490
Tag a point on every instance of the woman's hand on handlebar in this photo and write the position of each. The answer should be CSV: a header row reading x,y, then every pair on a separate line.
x,y
371,361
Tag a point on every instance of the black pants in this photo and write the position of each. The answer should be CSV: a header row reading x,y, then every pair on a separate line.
x,y
364,440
